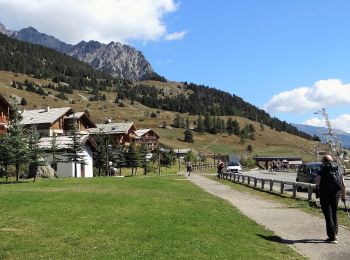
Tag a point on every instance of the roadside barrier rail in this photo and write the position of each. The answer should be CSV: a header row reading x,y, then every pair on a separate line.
x,y
255,181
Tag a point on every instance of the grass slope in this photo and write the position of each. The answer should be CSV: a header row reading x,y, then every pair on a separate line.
x,y
268,142
131,218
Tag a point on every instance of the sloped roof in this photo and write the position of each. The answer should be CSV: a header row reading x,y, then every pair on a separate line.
x,y
76,115
80,115
141,132
111,128
63,142
42,116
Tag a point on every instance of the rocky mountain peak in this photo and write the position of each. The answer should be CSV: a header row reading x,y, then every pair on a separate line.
x,y
3,30
114,58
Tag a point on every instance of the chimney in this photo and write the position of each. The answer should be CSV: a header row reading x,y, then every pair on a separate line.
x,y
47,109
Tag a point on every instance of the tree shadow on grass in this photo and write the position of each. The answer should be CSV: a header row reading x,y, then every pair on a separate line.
x,y
278,239
12,182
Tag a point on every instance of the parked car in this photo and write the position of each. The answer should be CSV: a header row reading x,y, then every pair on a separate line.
x,y
234,167
308,171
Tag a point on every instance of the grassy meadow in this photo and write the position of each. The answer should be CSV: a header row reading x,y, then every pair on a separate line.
x,y
158,217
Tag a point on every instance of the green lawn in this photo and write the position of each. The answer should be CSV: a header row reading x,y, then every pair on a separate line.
x,y
157,217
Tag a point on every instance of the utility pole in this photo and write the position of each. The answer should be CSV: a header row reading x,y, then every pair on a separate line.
x,y
178,158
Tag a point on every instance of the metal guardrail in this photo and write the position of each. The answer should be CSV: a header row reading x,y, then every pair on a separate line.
x,y
253,181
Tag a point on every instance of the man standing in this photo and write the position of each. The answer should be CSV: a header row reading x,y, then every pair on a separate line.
x,y
331,186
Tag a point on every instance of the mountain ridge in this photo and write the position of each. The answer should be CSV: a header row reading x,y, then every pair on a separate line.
x,y
118,60
319,131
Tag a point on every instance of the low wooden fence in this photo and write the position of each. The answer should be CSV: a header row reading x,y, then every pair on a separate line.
x,y
202,166
262,183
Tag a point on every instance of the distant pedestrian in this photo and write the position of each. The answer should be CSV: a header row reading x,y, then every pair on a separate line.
x,y
220,168
331,187
189,168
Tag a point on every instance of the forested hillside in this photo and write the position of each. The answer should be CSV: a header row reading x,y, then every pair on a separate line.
x,y
42,62
202,100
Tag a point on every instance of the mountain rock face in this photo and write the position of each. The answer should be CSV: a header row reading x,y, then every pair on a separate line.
x,y
116,59
33,36
3,30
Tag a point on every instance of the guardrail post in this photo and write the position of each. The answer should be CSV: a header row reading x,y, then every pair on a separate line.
x,y
255,182
294,190
248,180
230,176
243,179
271,185
262,184
282,187
309,192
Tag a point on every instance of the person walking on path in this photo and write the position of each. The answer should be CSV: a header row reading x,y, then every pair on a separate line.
x,y
330,184
220,168
189,168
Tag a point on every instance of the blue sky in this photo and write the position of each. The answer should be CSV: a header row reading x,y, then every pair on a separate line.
x,y
290,57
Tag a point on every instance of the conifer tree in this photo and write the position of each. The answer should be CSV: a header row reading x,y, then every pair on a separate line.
x,y
35,153
17,141
188,136
100,154
119,157
132,158
236,127
54,150
144,161
200,124
229,126
5,155
75,148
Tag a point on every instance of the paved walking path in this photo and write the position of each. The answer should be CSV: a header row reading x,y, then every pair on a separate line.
x,y
304,232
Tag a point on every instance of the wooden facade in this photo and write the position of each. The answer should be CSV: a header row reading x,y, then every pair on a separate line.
x,y
147,136
5,112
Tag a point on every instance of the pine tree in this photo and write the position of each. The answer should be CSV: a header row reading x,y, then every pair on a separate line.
x,y
119,157
5,155
132,158
75,148
229,126
35,153
200,124
100,154
54,150
17,141
236,127
249,148
188,136
144,161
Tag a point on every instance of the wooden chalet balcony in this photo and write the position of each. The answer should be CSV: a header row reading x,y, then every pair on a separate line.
x,y
3,120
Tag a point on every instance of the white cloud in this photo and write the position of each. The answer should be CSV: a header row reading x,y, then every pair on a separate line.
x,y
324,93
341,122
102,20
175,36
